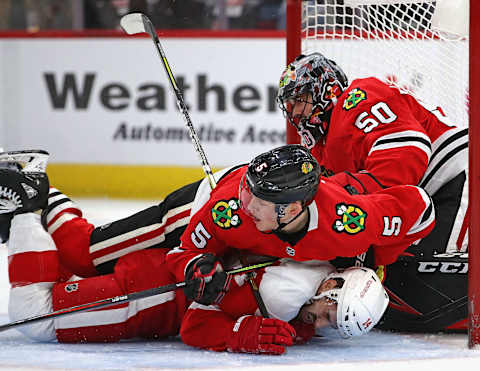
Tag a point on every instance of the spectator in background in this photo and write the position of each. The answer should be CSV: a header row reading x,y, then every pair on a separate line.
x,y
103,14
34,15
164,14
268,14
185,14
4,11
248,14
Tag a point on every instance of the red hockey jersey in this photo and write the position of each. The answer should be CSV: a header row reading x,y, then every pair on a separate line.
x,y
340,224
210,327
380,130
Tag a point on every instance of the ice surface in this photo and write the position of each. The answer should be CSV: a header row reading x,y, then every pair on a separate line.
x,y
380,351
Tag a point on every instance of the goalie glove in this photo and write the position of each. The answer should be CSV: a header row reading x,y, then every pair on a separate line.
x,y
258,335
209,282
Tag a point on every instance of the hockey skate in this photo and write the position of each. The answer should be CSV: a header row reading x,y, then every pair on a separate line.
x,y
24,185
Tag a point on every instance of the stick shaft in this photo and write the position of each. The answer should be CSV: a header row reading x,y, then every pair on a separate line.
x,y
103,303
180,102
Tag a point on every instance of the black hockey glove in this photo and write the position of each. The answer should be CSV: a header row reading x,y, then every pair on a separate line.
x,y
210,282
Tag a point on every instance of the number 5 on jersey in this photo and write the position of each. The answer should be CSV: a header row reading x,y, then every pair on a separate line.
x,y
391,227
200,236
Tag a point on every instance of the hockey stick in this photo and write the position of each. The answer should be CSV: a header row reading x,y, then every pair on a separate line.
x,y
119,299
136,23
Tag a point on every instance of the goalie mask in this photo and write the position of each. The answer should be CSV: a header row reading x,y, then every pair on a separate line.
x,y
283,175
308,90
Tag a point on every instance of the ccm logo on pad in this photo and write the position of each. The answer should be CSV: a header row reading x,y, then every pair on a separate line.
x,y
442,267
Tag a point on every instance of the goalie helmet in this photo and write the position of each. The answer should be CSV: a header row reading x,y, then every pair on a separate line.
x,y
324,80
361,300
283,175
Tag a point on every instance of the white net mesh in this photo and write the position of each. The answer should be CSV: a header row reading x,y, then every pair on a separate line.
x,y
393,40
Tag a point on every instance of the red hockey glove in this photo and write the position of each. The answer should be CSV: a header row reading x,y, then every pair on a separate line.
x,y
305,331
254,334
210,281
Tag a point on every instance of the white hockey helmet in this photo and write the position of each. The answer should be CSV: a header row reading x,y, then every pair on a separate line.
x,y
361,301
287,287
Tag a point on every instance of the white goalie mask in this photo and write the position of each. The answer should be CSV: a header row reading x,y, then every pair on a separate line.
x,y
361,300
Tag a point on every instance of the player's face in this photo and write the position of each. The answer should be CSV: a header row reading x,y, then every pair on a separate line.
x,y
323,312
263,213
300,107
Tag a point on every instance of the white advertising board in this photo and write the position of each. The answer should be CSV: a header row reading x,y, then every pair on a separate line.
x,y
108,100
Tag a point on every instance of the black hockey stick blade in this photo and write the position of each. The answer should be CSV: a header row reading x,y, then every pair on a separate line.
x,y
103,303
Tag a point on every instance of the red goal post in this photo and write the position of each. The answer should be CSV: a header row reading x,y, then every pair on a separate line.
x,y
422,47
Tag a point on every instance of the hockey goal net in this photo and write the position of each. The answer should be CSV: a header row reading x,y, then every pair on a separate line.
x,y
422,47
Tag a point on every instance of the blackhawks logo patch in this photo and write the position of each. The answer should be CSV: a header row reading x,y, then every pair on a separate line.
x,y
223,214
354,98
307,167
288,75
352,219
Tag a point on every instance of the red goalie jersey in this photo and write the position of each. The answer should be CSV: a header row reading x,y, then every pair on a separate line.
x,y
340,224
382,131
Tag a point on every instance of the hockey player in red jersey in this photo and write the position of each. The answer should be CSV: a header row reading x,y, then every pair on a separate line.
x,y
369,126
279,206
329,296
369,131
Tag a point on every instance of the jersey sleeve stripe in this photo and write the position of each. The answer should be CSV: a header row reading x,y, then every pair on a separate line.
x,y
407,138
57,203
60,221
144,230
196,305
427,217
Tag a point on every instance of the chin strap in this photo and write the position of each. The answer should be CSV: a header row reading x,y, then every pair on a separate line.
x,y
280,210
